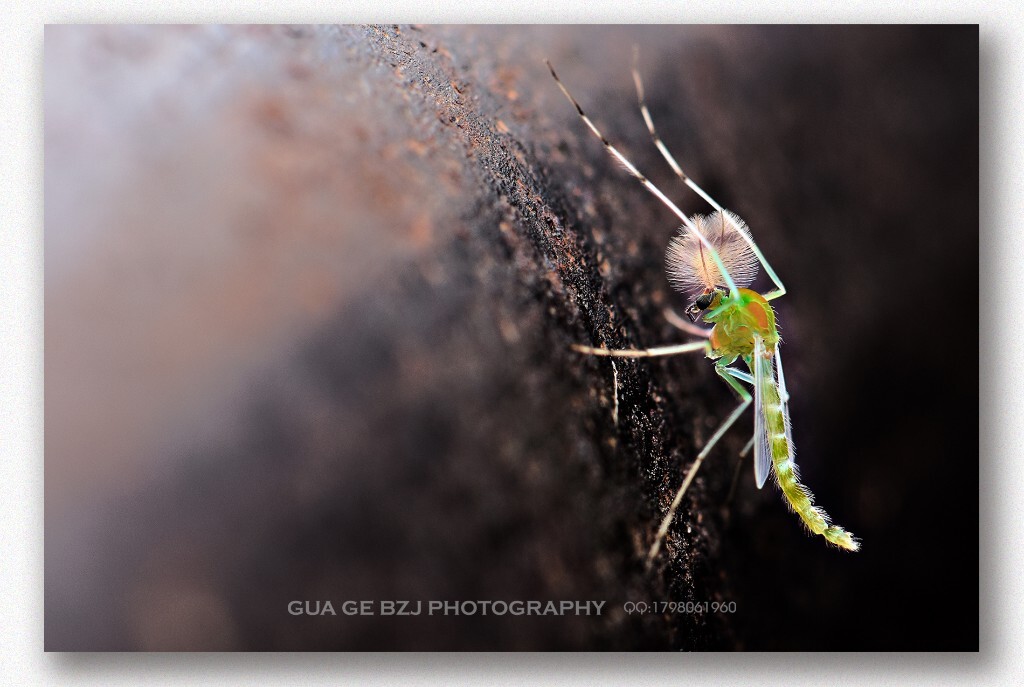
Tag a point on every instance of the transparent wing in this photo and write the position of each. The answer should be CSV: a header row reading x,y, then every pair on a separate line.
x,y
762,377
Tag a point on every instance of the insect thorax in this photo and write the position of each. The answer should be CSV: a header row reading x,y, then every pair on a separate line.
x,y
736,322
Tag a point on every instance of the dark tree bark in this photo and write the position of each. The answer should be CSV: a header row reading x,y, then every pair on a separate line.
x,y
310,299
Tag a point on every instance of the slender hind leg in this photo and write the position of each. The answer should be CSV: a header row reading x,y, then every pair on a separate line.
x,y
732,377
736,475
691,347
780,290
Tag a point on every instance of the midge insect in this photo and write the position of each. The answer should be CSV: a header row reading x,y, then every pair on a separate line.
x,y
714,259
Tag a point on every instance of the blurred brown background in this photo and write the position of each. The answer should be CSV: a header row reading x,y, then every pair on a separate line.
x,y
309,298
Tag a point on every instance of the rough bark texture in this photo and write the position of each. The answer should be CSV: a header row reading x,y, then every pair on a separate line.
x,y
311,294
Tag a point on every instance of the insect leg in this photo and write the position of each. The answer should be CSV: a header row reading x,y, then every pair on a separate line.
x,y
729,375
739,464
735,480
687,222
736,475
691,347
638,82
743,376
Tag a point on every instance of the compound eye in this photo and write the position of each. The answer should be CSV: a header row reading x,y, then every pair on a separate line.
x,y
704,300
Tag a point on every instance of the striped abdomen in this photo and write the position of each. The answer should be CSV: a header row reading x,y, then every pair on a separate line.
x,y
774,439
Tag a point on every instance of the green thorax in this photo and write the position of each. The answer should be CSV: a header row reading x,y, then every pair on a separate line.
x,y
737,321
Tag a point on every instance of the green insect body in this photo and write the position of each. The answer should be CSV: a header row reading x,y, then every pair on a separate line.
x,y
745,328
737,321
714,258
